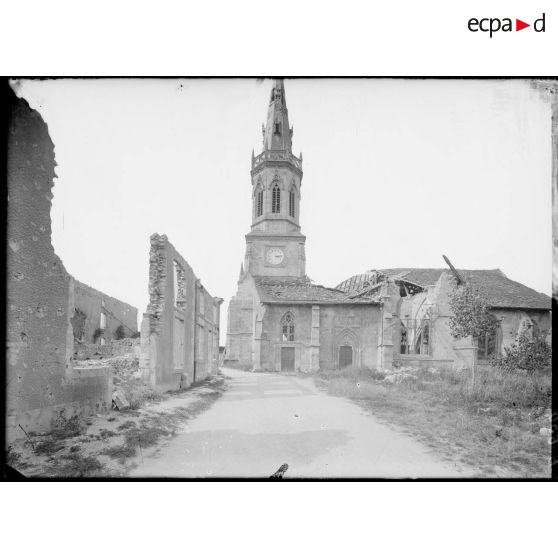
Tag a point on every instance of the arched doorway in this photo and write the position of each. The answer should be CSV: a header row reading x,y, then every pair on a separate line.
x,y
345,356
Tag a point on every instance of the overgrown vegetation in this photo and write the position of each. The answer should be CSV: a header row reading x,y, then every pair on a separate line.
x,y
119,332
493,427
78,465
527,353
471,314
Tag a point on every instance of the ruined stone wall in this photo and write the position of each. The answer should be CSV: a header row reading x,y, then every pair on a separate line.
x,y
240,325
90,303
42,387
445,350
180,329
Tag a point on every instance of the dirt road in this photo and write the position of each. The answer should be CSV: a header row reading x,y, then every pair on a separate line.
x,y
265,420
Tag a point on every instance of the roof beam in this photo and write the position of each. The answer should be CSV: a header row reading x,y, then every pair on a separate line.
x,y
460,280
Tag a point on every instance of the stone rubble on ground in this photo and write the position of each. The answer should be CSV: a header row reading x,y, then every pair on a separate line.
x,y
120,401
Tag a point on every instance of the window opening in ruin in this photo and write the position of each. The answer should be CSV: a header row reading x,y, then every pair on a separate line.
x,y
415,337
487,345
78,324
276,200
179,285
292,203
529,328
103,321
201,306
259,203
277,129
287,327
404,345
422,338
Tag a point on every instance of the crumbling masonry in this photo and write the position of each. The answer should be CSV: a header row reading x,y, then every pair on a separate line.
x,y
180,330
44,389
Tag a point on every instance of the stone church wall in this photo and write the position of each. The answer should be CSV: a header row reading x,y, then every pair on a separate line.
x,y
43,388
446,351
180,330
355,325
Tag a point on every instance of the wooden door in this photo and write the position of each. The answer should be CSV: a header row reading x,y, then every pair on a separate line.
x,y
287,359
345,356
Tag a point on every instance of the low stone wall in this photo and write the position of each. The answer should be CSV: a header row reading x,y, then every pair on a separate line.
x,y
422,363
88,391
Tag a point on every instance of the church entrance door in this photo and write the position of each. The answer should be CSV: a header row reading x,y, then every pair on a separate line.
x,y
345,356
287,359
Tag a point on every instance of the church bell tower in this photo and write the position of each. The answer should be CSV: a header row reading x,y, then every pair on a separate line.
x,y
275,245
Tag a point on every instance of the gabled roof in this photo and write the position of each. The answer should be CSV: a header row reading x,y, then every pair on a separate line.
x,y
500,291
289,290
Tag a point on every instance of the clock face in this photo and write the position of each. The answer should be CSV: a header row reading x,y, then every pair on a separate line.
x,y
275,256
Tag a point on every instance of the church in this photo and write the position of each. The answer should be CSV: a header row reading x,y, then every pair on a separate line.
x,y
279,320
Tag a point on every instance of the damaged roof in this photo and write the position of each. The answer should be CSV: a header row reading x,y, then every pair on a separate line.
x,y
290,290
500,291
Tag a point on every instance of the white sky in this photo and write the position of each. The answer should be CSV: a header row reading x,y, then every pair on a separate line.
x,y
396,173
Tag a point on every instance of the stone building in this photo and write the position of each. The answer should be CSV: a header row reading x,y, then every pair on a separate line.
x,y
99,317
418,302
281,321
43,386
180,330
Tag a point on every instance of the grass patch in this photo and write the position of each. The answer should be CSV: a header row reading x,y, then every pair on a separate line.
x,y
126,425
48,447
493,426
68,429
77,465
146,435
121,453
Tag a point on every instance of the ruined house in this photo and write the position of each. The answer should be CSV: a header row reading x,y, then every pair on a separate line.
x,y
180,330
99,318
279,320
43,387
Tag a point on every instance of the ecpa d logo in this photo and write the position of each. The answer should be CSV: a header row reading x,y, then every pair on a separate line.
x,y
492,25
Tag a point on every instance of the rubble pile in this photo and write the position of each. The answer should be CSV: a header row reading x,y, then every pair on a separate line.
x,y
129,390
122,347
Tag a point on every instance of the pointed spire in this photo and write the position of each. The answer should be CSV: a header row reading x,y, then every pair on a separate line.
x,y
277,133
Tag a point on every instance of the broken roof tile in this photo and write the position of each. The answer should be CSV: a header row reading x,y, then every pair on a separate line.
x,y
303,291
500,291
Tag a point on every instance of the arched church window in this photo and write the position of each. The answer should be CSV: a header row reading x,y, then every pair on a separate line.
x,y
488,345
422,339
292,203
287,327
276,200
404,344
259,202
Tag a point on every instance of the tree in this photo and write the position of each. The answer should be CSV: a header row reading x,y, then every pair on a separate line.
x,y
471,314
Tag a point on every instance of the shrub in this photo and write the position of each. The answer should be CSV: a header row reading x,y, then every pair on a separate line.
x,y
119,332
530,354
